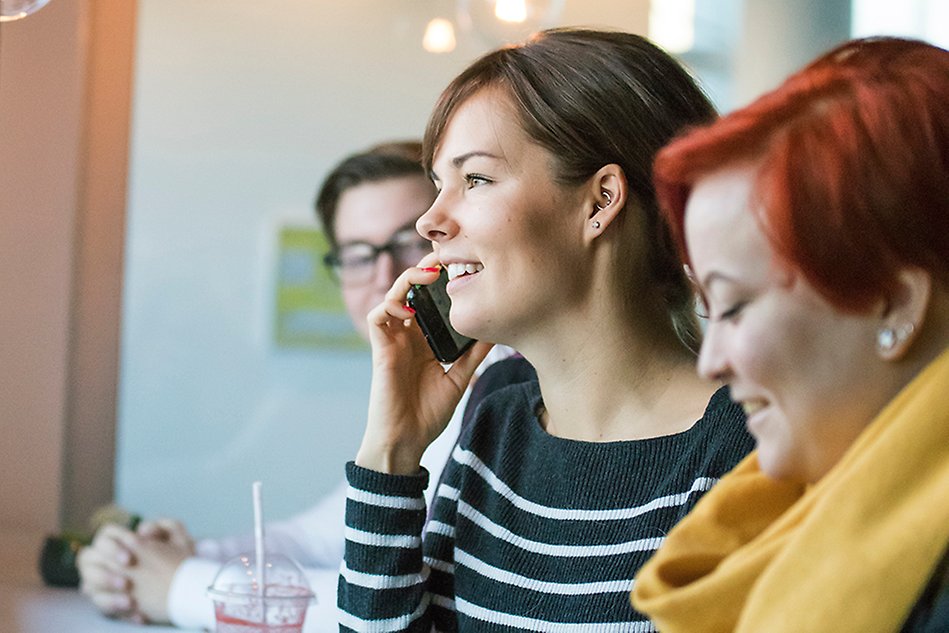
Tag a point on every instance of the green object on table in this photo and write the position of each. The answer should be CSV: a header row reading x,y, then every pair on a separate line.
x,y
59,552
58,560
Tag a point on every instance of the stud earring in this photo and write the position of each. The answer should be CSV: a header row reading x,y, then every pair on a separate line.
x,y
889,337
886,339
596,224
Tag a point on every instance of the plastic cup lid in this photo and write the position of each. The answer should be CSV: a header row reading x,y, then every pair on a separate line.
x,y
238,581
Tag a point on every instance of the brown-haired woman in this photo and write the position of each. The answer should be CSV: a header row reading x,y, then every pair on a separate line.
x,y
547,223
817,224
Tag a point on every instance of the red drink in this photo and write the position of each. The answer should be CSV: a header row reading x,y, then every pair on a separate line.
x,y
230,624
241,605
282,610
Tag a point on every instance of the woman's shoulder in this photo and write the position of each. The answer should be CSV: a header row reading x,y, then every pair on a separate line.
x,y
512,370
508,403
499,417
720,439
723,419
509,371
721,409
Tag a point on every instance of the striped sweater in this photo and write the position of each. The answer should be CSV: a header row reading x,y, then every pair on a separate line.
x,y
529,532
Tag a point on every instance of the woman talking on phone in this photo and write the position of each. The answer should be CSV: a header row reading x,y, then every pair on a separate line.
x,y
559,489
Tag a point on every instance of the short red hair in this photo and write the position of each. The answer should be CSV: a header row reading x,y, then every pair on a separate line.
x,y
854,167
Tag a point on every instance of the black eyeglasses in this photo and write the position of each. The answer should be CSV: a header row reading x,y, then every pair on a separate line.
x,y
355,262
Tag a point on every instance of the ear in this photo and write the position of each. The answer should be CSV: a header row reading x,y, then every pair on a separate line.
x,y
605,199
903,314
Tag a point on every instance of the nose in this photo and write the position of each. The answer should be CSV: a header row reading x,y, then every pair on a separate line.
x,y
436,224
713,360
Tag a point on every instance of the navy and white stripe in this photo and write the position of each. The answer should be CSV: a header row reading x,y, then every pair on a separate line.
x,y
528,532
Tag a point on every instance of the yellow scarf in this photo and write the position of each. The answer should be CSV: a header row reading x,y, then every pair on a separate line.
x,y
850,553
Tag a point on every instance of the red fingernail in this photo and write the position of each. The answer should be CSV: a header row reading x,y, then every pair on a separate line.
x,y
433,269
410,309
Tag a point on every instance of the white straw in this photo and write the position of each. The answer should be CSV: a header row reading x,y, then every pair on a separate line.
x,y
259,539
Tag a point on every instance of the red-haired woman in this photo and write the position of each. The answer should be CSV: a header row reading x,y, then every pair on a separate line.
x,y
816,221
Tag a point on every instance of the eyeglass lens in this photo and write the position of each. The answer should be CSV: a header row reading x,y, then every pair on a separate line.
x,y
356,262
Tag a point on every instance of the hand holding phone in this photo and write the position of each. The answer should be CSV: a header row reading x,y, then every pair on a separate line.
x,y
432,305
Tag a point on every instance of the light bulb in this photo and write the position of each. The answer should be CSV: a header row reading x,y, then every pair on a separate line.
x,y
672,24
15,9
439,36
505,21
511,10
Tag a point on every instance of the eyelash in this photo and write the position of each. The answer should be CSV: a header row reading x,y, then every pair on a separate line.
x,y
476,180
732,312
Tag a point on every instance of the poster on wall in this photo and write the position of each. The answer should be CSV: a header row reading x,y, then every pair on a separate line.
x,y
308,309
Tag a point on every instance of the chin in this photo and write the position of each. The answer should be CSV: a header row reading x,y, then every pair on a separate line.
x,y
770,461
778,466
467,324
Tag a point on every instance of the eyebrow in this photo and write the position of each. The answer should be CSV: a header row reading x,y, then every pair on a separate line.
x,y
715,276
460,160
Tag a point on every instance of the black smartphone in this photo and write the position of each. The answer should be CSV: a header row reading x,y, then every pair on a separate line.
x,y
432,305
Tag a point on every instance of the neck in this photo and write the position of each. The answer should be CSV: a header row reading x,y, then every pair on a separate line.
x,y
609,382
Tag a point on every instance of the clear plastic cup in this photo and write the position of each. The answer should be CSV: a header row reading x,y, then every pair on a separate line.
x,y
241,607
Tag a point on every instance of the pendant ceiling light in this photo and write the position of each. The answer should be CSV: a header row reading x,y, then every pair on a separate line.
x,y
439,36
15,9
672,24
504,21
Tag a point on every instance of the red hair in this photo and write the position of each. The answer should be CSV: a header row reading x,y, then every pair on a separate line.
x,y
853,182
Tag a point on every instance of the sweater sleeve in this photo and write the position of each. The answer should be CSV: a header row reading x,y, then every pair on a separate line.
x,y
383,579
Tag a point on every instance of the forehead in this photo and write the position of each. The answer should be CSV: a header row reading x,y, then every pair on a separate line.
x,y
485,122
373,211
720,224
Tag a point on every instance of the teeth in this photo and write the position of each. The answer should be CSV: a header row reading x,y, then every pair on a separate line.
x,y
752,406
456,270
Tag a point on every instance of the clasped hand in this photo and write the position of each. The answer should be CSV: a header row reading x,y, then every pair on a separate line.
x,y
128,574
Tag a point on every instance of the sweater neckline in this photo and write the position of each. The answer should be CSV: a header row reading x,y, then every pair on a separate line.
x,y
719,399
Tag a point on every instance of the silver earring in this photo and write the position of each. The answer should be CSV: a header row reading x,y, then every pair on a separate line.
x,y
596,224
609,200
888,337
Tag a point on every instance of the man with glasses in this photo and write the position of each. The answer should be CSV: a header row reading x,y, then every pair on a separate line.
x,y
368,206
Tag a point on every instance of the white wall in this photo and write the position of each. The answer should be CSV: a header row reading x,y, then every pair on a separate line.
x,y
778,38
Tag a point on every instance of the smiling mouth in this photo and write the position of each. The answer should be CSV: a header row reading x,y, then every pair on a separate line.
x,y
458,270
753,406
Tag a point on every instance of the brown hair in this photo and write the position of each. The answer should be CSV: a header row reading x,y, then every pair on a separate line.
x,y
380,162
593,98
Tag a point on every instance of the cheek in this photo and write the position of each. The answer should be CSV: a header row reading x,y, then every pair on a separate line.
x,y
756,354
357,302
776,346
